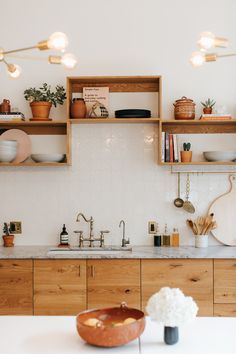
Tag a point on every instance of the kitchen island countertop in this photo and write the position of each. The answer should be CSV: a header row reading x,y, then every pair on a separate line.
x,y
138,252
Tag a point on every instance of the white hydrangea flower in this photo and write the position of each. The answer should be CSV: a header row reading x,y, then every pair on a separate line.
x,y
171,307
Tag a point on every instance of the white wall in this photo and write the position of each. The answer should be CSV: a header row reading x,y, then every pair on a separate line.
x,y
114,173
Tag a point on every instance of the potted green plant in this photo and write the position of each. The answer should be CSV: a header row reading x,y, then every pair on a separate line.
x,y
186,154
208,105
7,237
41,100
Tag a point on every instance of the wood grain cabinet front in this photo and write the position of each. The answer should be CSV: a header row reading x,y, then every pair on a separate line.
x,y
112,281
193,276
225,287
59,287
16,290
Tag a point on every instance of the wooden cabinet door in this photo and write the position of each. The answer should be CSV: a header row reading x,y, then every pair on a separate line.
x,y
194,277
225,287
16,291
225,281
59,286
112,281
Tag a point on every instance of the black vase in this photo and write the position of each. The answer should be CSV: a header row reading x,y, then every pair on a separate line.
x,y
171,335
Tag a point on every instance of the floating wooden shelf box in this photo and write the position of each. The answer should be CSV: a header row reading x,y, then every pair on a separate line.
x,y
195,127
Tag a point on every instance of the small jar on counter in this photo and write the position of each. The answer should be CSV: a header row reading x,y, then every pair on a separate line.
x,y
157,238
166,237
175,238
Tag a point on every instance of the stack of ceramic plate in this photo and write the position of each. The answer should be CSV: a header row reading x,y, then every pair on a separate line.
x,y
8,150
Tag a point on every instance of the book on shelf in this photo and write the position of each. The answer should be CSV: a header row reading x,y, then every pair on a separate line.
x,y
214,116
170,149
163,147
97,101
167,147
12,116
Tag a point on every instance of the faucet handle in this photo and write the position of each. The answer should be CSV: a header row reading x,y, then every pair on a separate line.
x,y
104,232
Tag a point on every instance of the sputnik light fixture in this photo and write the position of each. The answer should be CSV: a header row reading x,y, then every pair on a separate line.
x,y
208,41
57,41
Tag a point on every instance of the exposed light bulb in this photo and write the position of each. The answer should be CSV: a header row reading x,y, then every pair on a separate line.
x,y
69,60
13,70
197,58
207,40
58,41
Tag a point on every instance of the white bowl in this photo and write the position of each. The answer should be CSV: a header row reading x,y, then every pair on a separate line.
x,y
219,155
48,157
7,156
8,143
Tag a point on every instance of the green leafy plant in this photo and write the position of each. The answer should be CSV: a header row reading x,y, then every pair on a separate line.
x,y
208,103
186,146
6,229
44,93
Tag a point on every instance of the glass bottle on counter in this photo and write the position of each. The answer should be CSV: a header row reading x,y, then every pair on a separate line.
x,y
166,237
175,238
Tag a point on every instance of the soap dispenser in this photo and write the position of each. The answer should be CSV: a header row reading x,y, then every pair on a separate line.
x,y
157,238
64,239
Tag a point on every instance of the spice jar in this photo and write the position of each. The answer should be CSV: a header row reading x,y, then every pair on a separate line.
x,y
78,108
184,108
166,237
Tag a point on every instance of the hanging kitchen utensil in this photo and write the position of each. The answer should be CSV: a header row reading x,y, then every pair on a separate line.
x,y
178,202
224,207
188,206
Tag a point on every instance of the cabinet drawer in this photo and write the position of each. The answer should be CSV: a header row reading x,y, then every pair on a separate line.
x,y
225,281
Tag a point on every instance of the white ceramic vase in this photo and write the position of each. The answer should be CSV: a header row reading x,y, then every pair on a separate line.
x,y
201,241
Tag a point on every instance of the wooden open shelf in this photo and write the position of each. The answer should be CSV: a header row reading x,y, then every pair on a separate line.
x,y
115,84
195,127
53,127
198,126
113,120
33,164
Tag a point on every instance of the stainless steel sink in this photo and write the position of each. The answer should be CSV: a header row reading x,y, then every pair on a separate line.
x,y
88,250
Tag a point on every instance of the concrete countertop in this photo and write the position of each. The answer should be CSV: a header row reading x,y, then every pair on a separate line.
x,y
146,252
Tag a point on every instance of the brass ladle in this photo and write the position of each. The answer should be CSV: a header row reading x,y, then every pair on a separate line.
x,y
178,202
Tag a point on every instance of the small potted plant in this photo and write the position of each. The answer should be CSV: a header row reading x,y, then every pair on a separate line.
x,y
171,308
186,154
7,237
41,100
208,105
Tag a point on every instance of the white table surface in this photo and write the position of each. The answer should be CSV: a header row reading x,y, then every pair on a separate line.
x,y
44,335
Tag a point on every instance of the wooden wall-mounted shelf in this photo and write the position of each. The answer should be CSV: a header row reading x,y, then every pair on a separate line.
x,y
195,127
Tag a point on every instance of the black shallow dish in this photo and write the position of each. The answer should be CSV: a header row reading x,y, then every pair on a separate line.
x,y
133,113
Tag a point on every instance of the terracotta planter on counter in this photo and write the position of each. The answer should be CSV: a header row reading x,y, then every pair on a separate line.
x,y
8,240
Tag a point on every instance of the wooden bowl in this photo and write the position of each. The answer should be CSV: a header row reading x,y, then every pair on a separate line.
x,y
107,333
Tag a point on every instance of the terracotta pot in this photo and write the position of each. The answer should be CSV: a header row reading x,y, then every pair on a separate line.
x,y
8,240
207,110
78,108
186,156
41,109
184,108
